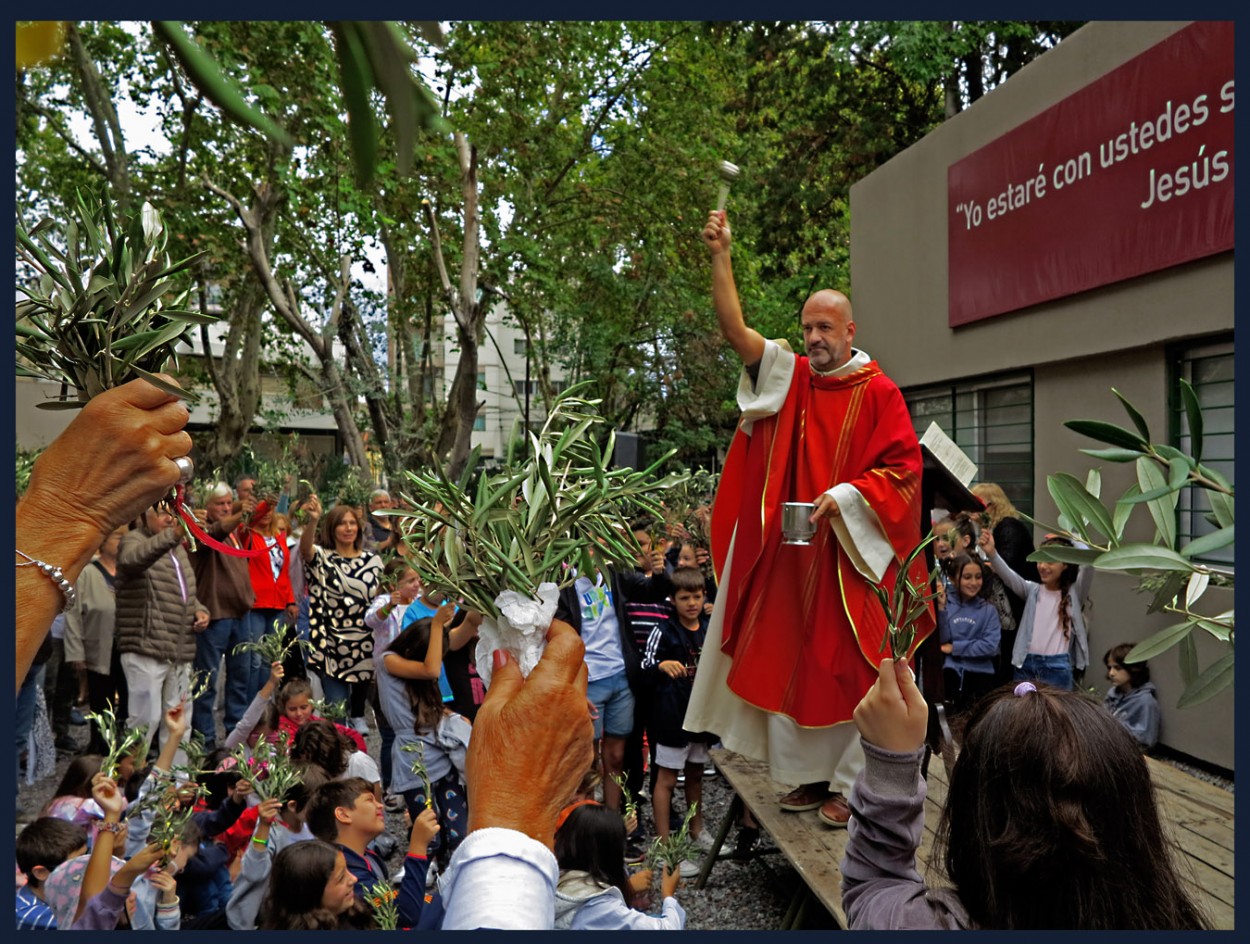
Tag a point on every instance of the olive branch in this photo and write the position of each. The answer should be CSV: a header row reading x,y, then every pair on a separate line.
x,y
95,315
544,517
120,741
671,852
910,601
269,768
418,768
380,896
274,646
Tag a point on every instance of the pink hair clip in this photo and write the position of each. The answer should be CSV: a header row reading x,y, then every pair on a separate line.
x,y
1024,688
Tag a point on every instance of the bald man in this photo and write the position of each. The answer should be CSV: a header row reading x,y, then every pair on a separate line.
x,y
795,636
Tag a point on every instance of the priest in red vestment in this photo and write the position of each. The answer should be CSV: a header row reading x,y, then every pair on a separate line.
x,y
796,632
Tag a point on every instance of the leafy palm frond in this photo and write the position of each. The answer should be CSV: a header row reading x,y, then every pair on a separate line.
x,y
906,605
418,768
335,711
275,645
103,305
543,517
118,739
380,897
269,768
628,802
678,847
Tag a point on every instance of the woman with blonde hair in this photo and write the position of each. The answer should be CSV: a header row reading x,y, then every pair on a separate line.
x,y
1014,540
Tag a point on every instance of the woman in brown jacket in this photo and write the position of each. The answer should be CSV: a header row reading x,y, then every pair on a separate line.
x,y
157,618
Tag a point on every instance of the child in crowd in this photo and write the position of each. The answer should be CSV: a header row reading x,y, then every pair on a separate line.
x,y
71,800
291,709
458,680
348,814
41,847
323,743
107,909
1132,697
1050,819
152,902
1051,645
203,863
671,658
593,889
427,731
289,825
969,631
385,617
255,721
311,889
691,555
279,823
643,615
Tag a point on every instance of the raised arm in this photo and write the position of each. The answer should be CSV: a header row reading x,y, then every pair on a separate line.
x,y
746,342
308,538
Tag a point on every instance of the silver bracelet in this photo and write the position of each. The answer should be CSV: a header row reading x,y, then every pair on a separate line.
x,y
53,573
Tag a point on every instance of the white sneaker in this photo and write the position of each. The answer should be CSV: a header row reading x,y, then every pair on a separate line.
x,y
688,869
361,726
705,841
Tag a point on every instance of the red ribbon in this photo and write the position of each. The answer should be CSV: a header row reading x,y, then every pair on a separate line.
x,y
194,526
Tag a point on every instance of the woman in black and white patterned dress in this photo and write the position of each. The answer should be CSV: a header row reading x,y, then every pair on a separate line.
x,y
342,582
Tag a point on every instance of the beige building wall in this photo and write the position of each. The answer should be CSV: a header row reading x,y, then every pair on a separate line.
x,y
1078,348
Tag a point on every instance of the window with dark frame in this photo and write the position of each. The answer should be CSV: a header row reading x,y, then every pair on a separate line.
x,y
991,420
1208,367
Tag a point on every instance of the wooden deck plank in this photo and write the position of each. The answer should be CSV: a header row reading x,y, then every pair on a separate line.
x,y
814,849
1199,792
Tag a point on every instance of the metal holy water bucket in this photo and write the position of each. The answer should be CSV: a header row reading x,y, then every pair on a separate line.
x,y
795,526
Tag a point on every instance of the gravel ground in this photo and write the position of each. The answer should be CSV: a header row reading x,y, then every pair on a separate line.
x,y
751,895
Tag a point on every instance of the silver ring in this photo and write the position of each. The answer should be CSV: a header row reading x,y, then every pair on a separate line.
x,y
186,469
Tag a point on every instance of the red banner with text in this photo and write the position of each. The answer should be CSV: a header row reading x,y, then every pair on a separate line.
x,y
1132,174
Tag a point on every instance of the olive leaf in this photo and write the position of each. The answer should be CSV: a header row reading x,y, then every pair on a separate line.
x,y
102,305
544,517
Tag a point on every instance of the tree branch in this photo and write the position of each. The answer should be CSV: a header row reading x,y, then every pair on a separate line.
x,y
285,305
437,245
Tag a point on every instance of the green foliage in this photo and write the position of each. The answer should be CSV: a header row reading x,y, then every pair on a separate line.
x,y
687,506
906,605
119,740
545,516
269,768
1174,575
380,897
25,463
274,645
418,767
96,316
671,852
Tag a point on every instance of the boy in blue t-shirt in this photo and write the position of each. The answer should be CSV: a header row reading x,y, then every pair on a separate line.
x,y
41,847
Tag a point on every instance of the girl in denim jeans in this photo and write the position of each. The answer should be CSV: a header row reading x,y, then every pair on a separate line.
x,y
1052,644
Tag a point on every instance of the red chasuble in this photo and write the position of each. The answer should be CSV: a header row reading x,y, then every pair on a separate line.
x,y
802,625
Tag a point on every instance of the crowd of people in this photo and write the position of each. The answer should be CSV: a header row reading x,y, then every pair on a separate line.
x,y
153,626
515,798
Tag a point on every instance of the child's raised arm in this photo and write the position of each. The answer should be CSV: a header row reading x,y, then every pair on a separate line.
x,y
429,667
893,715
99,867
175,721
247,724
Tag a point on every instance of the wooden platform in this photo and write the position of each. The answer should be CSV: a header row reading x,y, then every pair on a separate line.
x,y
1199,815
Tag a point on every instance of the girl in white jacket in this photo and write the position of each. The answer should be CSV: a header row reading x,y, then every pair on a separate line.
x,y
591,893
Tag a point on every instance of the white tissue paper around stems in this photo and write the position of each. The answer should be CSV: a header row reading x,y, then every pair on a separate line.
x,y
521,629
